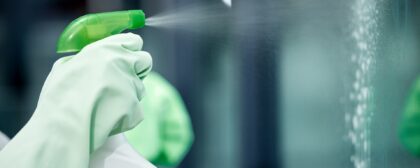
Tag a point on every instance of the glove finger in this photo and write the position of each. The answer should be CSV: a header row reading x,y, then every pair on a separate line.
x,y
142,63
129,41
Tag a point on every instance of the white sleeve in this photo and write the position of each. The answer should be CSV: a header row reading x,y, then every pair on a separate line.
x,y
3,140
117,153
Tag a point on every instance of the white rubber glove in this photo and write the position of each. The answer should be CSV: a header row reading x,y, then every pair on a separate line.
x,y
85,99
118,153
3,140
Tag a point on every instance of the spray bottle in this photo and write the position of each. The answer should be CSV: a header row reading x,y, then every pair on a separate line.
x,y
93,27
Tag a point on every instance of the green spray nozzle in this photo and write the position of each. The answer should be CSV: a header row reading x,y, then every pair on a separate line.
x,y
93,27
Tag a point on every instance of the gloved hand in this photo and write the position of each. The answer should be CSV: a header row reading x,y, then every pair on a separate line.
x,y
3,140
85,99
165,136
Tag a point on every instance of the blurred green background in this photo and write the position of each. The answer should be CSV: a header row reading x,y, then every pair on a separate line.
x,y
259,95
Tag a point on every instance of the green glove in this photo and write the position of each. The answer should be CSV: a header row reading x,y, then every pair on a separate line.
x,y
165,136
410,125
85,99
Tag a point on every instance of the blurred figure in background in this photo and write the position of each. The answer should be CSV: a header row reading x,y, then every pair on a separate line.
x,y
165,136
410,125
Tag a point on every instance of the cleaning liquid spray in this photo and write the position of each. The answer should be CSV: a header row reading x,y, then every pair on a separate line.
x,y
93,27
